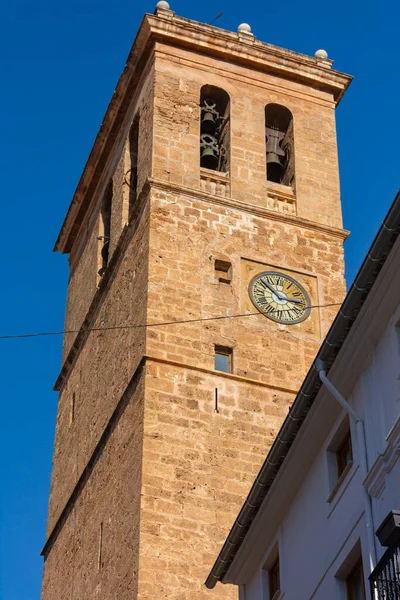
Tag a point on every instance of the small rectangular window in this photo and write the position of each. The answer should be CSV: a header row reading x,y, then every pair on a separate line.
x,y
223,271
355,589
223,359
274,580
339,456
344,453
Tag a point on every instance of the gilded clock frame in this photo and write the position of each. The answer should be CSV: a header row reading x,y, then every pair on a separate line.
x,y
271,317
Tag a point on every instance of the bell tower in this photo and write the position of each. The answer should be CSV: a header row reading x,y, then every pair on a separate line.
x,y
205,243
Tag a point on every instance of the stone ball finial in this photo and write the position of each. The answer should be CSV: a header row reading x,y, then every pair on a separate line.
x,y
321,54
162,4
244,27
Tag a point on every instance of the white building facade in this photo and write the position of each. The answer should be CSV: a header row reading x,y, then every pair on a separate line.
x,y
332,479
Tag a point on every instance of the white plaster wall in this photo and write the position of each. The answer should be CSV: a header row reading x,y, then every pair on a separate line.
x,y
317,536
314,532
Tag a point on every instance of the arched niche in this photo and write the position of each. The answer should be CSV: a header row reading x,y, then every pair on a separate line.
x,y
214,128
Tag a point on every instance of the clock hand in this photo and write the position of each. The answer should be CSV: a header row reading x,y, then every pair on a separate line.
x,y
280,295
269,286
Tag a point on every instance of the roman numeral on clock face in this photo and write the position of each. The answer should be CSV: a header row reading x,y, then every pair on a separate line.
x,y
280,297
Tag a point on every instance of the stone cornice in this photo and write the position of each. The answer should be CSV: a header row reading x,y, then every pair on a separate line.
x,y
230,376
229,202
375,482
206,39
203,39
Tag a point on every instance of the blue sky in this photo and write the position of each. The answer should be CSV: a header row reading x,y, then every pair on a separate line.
x,y
59,65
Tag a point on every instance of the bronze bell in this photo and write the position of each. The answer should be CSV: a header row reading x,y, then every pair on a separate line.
x,y
209,151
276,157
208,124
208,158
275,168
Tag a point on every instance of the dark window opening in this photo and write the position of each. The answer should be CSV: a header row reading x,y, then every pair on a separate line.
x,y
100,563
355,589
223,359
223,271
214,129
339,457
398,337
106,226
344,453
132,175
279,144
274,580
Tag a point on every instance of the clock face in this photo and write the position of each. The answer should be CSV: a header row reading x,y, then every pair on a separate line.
x,y
279,297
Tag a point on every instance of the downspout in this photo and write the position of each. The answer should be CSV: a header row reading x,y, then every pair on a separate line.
x,y
362,447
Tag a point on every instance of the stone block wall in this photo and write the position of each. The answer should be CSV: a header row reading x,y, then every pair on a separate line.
x,y
85,259
95,553
179,76
198,466
187,234
102,369
155,451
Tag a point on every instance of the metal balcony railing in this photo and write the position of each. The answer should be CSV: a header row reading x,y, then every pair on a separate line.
x,y
385,578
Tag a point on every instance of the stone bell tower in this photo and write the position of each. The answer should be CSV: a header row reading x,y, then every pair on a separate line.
x,y
205,241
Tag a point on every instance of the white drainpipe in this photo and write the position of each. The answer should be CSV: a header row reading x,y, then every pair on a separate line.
x,y
362,446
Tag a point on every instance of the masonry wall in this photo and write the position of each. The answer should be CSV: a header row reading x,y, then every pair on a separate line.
x,y
198,460
96,553
190,459
102,370
85,258
179,76
83,279
198,465
187,235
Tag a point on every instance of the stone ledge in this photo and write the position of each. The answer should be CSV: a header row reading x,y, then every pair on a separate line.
x,y
229,376
255,210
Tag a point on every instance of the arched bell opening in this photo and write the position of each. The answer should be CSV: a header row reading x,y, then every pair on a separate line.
x,y
214,129
279,145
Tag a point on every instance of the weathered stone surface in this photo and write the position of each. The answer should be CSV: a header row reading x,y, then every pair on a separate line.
x,y
154,450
